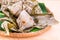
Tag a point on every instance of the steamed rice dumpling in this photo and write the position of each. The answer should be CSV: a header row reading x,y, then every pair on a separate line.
x,y
25,20
16,8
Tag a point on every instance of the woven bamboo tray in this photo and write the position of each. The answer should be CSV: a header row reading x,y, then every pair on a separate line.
x,y
24,35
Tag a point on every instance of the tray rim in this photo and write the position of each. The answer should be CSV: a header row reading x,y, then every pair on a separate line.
x,y
24,35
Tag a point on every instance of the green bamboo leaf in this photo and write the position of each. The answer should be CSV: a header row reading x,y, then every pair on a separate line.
x,y
1,27
35,29
1,14
43,8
